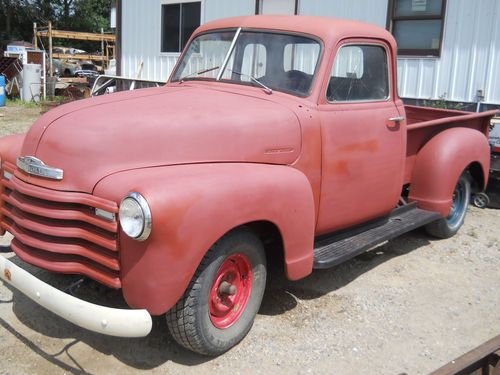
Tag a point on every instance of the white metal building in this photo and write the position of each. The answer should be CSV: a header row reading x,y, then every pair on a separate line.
x,y
449,49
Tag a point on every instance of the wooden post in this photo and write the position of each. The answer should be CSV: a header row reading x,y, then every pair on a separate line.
x,y
35,37
50,49
102,49
107,55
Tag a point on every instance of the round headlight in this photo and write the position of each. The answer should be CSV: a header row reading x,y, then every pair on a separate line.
x,y
135,217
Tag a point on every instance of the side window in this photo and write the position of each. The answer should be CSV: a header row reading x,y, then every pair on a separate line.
x,y
360,73
254,61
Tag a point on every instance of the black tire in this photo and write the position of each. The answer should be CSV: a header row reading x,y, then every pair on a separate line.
x,y
190,321
481,200
449,226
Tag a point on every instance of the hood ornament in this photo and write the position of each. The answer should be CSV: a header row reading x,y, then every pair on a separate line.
x,y
36,167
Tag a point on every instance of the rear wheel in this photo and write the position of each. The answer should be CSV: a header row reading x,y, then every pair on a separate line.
x,y
224,296
449,226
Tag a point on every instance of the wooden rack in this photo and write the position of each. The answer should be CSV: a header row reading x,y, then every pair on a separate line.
x,y
108,42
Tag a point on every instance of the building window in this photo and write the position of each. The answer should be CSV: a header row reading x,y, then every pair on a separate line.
x,y
289,7
417,26
178,22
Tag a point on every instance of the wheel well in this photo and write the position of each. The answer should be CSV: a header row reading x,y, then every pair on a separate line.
x,y
272,241
477,174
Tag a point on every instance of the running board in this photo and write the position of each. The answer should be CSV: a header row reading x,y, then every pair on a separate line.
x,y
338,248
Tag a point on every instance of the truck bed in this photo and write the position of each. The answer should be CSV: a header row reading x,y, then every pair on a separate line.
x,y
423,123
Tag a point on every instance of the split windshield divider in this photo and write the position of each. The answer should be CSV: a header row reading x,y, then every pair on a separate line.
x,y
229,53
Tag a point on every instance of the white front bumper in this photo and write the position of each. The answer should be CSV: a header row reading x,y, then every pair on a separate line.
x,y
100,319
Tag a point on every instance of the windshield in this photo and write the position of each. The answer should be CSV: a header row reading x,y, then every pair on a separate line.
x,y
270,60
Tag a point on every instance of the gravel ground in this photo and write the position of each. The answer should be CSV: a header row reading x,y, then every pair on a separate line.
x,y
17,117
408,306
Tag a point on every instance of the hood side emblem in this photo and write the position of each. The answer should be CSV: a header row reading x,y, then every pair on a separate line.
x,y
36,167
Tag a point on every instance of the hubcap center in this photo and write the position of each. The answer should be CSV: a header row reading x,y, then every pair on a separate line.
x,y
227,288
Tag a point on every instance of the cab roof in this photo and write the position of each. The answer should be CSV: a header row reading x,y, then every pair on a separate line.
x,y
327,29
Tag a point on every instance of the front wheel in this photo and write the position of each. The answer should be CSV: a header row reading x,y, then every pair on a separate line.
x,y
449,226
224,296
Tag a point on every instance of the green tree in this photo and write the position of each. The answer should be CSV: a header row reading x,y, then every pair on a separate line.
x,y
17,17
91,15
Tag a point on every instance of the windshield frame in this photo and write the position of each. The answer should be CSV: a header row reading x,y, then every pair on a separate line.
x,y
238,31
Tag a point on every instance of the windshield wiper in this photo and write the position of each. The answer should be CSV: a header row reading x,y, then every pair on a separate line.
x,y
198,73
267,90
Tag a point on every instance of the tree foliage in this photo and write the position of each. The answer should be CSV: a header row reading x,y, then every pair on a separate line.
x,y
17,17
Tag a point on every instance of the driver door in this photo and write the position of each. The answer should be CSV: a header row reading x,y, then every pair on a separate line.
x,y
363,138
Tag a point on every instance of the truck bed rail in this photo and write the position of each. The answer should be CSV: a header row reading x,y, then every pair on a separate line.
x,y
422,117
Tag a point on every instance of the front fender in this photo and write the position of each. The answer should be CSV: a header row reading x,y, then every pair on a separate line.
x,y
10,147
192,207
440,163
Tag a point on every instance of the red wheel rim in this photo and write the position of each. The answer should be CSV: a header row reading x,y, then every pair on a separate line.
x,y
224,307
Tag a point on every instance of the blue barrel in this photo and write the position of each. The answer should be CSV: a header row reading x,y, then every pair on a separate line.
x,y
2,91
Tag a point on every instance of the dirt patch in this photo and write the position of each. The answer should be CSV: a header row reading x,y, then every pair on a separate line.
x,y
408,306
16,118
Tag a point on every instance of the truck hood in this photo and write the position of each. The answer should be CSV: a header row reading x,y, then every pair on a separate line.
x,y
94,138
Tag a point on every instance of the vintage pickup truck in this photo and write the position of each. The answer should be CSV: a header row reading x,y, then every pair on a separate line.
x,y
275,137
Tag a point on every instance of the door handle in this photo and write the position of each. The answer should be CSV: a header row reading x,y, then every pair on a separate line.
x,y
393,122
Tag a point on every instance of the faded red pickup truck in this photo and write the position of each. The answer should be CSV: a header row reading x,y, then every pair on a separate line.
x,y
275,138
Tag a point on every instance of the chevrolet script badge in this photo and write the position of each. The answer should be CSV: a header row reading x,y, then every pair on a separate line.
x,y
36,167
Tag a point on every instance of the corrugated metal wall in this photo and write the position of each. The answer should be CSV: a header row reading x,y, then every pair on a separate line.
x,y
141,33
470,57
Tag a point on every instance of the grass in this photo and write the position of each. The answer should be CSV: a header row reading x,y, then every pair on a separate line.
x,y
442,103
32,104
20,103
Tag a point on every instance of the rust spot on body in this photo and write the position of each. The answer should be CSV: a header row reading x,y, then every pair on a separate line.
x,y
7,274
340,167
283,150
368,146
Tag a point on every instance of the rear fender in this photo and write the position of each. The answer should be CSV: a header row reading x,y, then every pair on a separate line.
x,y
195,205
440,163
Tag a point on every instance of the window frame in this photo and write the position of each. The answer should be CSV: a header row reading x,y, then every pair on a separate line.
x,y
173,2
389,70
392,18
